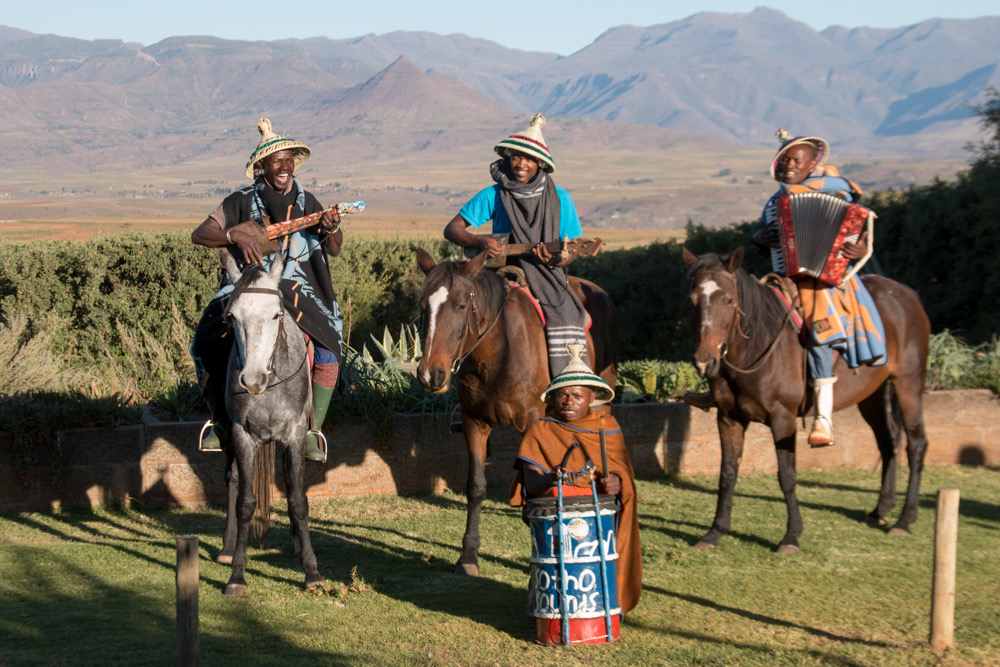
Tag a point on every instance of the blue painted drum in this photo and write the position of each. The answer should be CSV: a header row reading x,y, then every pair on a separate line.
x,y
586,605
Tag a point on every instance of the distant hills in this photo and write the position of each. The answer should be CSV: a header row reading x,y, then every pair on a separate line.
x,y
112,105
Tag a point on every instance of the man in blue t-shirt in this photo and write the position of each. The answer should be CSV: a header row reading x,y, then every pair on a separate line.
x,y
525,203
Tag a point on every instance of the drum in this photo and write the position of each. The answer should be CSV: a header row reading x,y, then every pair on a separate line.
x,y
586,605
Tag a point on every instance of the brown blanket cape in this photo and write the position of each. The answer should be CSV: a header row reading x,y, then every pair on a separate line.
x,y
544,445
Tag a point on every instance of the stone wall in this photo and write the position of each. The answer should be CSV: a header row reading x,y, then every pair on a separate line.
x,y
158,463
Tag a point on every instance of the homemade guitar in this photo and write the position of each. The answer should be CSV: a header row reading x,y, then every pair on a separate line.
x,y
267,235
580,247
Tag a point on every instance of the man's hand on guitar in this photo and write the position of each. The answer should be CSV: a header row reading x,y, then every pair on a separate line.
x,y
549,259
330,220
247,245
489,246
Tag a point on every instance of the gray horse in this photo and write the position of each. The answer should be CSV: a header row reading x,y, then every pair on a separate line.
x,y
268,396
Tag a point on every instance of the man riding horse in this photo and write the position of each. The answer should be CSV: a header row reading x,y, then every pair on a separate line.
x,y
307,292
835,316
525,203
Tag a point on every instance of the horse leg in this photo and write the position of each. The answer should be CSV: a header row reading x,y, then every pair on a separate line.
x,y
245,503
876,411
476,434
783,430
232,485
910,402
731,434
298,510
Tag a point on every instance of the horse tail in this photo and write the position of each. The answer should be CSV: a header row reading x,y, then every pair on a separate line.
x,y
263,481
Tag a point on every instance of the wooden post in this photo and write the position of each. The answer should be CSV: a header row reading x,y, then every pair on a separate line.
x,y
187,601
945,548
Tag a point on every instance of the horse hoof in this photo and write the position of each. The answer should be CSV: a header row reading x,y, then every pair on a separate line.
x,y
468,569
225,559
315,583
235,590
899,531
874,521
788,549
702,545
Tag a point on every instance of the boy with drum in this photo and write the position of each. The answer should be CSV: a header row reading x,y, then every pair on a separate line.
x,y
576,413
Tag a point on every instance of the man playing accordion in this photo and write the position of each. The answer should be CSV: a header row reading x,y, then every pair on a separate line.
x,y
841,316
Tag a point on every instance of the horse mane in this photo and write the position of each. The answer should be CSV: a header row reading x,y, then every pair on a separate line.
x,y
762,313
489,286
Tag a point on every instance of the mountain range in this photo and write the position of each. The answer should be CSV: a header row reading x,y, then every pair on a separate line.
x,y
112,105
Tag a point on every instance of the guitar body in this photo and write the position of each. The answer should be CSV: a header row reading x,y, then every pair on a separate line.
x,y
266,244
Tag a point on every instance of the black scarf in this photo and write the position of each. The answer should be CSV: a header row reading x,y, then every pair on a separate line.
x,y
533,211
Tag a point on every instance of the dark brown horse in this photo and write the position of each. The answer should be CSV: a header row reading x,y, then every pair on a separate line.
x,y
488,338
747,347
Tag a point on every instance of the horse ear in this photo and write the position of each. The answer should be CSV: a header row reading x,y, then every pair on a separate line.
x,y
688,256
475,265
425,261
229,264
277,267
736,259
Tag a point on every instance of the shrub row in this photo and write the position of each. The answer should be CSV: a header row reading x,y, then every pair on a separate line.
x,y
137,279
134,282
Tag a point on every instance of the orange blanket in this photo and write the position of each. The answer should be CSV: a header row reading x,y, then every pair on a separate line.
x,y
545,444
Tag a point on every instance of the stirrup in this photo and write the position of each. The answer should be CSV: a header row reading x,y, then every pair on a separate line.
x,y
822,437
207,427
321,448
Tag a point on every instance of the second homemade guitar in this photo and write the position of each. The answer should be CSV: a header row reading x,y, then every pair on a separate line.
x,y
581,247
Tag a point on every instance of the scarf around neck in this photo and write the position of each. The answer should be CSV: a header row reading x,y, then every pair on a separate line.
x,y
532,208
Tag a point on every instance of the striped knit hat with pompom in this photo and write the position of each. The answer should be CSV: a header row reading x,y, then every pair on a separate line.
x,y
272,143
576,374
530,142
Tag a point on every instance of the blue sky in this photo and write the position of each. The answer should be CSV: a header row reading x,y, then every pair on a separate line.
x,y
562,26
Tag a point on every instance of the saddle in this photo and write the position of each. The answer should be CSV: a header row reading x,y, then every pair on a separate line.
x,y
516,280
787,290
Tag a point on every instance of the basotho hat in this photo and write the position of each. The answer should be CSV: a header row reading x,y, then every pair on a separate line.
x,y
272,143
530,142
577,373
787,141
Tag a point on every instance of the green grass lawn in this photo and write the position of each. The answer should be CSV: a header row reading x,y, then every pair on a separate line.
x,y
81,588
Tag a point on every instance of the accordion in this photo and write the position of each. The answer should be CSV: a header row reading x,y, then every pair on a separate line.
x,y
813,227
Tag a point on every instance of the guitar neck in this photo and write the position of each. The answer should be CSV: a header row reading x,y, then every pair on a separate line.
x,y
291,226
515,249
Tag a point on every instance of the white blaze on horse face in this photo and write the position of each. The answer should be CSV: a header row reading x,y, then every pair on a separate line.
x,y
708,288
434,303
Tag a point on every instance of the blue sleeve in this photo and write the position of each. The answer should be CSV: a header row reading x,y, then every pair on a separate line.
x,y
569,221
482,208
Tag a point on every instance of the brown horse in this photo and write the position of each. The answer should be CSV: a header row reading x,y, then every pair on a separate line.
x,y
488,337
747,347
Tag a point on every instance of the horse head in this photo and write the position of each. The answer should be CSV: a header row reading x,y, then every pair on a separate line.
x,y
256,314
451,314
714,306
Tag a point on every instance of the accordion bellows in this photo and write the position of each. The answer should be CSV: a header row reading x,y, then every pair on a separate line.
x,y
814,227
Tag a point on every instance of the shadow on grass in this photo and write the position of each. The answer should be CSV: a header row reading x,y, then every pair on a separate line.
x,y
769,621
91,621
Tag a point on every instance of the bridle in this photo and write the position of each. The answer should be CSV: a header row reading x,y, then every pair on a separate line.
x,y
281,338
737,321
472,314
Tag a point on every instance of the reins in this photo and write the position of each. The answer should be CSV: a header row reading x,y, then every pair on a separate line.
x,y
282,336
